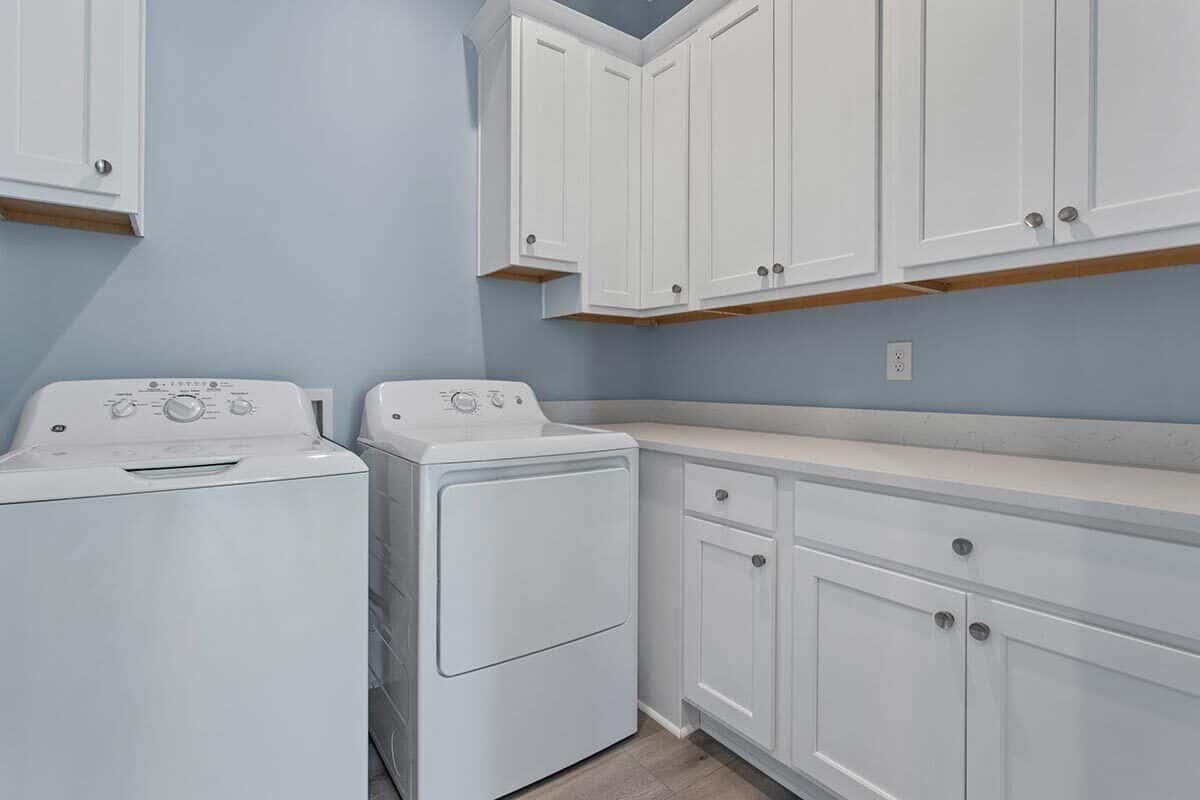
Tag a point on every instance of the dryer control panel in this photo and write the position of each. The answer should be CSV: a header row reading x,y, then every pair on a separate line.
x,y
431,404
155,409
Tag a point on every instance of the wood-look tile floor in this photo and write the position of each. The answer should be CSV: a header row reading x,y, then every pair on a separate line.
x,y
650,765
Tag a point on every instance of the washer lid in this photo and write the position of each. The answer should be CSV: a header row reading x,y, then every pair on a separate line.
x,y
444,422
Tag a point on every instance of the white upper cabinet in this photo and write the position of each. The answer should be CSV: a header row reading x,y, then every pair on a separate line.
x,y
1128,123
614,230
71,111
533,151
729,626
1059,709
879,666
827,134
666,150
733,135
553,142
969,128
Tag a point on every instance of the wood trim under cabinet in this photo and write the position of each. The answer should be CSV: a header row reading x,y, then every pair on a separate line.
x,y
83,219
1131,262
526,274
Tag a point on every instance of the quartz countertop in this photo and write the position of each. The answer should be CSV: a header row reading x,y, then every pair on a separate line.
x,y
1153,501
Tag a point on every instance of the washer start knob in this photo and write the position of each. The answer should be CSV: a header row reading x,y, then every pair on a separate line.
x,y
123,408
184,408
240,406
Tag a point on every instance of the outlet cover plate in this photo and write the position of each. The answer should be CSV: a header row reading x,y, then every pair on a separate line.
x,y
899,361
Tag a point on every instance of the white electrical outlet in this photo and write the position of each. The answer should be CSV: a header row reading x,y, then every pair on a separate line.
x,y
899,361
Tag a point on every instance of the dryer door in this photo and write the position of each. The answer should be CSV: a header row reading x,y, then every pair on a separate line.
x,y
529,563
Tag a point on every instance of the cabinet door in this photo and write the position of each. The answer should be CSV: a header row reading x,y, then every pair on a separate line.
x,y
666,149
553,143
734,141
879,681
969,115
1128,116
64,99
729,626
827,130
1062,710
614,229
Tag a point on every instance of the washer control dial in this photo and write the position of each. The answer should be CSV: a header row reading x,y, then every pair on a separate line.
x,y
184,408
464,402
240,406
123,408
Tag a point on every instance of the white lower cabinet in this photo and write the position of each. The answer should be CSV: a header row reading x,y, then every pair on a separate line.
x,y
878,668
729,594
1065,711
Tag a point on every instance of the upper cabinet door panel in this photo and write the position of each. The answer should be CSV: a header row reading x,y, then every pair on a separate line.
x,y
666,148
734,148
65,93
614,241
828,140
1128,116
553,143
969,121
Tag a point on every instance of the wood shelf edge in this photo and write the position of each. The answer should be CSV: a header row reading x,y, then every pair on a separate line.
x,y
59,216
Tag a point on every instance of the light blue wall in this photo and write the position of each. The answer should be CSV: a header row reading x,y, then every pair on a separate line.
x,y
1113,347
310,213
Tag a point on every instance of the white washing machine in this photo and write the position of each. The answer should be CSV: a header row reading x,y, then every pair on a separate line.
x,y
183,569
503,587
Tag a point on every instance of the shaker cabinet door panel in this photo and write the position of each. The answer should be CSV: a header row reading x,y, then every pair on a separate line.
x,y
969,114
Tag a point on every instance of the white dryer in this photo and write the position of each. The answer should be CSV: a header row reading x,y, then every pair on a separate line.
x,y
503,587
183,568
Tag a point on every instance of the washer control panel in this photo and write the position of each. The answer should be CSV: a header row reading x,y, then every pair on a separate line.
x,y
164,408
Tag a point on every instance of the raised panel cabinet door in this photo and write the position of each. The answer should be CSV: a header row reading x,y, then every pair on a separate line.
x,y
66,92
968,159
729,626
553,143
615,182
878,665
1058,709
827,179
733,149
666,178
1127,117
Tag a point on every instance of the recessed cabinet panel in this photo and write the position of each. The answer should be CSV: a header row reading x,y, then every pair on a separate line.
x,y
729,626
666,183
70,77
969,106
1128,117
878,665
614,241
1059,709
553,143
828,129
734,149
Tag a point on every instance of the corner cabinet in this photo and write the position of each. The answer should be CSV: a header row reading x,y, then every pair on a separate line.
x,y
729,626
71,108
533,149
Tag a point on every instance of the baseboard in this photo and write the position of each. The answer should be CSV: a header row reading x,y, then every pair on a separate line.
x,y
789,779
678,731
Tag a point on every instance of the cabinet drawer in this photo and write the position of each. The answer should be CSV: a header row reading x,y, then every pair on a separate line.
x,y
1136,580
749,499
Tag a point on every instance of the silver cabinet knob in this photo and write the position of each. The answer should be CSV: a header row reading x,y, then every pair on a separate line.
x,y
531,239
677,289
758,561
963,547
103,166
944,620
1068,213
979,631
721,495
777,269
762,271
1034,220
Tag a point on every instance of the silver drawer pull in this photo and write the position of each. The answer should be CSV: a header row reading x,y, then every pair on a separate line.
x,y
963,547
944,620
979,631
721,495
758,561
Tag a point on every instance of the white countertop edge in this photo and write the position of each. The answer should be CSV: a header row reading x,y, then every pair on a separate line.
x,y
1145,520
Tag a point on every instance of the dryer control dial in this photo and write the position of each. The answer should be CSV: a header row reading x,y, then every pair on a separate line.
x,y
184,408
240,406
464,402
